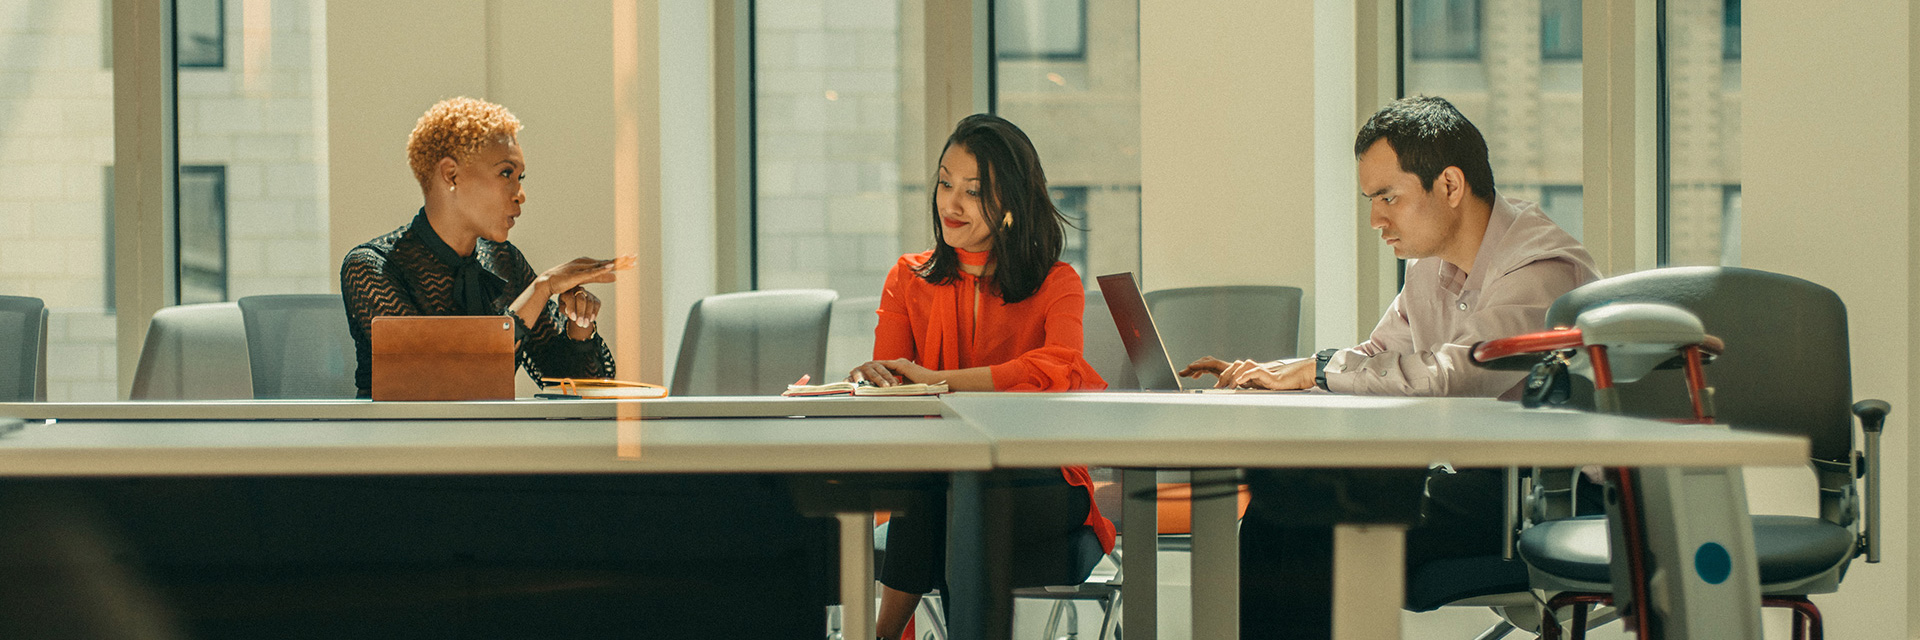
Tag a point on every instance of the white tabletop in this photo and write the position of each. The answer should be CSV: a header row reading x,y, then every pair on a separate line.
x,y
1324,430
524,409
725,445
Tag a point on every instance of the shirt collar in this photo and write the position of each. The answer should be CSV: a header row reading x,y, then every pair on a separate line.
x,y
437,246
1499,220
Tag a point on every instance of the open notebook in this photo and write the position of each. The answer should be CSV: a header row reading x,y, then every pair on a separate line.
x,y
863,389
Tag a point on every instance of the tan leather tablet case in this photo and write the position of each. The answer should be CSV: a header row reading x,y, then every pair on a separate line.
x,y
443,358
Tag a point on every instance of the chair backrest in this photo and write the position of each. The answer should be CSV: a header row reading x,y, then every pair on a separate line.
x,y
1103,348
850,337
195,352
1229,322
23,349
1786,367
754,343
298,346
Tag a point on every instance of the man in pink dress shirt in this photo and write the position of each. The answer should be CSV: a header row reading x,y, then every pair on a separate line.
x,y
1481,266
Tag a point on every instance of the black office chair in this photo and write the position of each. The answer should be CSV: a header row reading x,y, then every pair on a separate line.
x,y
1785,371
754,343
1257,322
298,346
23,349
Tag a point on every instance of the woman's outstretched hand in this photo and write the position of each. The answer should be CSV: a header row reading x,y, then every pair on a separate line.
x,y
565,282
579,271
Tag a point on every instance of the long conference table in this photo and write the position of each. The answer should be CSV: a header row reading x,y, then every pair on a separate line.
x,y
970,436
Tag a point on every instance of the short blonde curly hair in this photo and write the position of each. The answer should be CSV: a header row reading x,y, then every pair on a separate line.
x,y
457,128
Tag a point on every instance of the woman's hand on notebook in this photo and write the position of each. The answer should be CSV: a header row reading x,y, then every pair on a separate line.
x,y
877,373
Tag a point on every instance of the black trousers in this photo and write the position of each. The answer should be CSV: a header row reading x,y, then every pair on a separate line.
x,y
1286,565
1047,513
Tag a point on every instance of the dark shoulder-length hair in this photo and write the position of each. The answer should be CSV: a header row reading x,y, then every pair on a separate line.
x,y
1012,183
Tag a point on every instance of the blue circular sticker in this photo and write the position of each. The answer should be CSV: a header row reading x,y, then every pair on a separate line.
x,y
1713,563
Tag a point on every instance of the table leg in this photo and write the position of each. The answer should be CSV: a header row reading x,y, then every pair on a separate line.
x,y
1140,562
1704,579
856,574
1216,554
979,563
1369,576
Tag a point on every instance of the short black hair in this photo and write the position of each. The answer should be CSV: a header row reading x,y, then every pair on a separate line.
x,y
1025,245
1430,135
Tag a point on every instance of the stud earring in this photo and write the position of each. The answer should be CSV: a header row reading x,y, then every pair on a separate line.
x,y
449,187
1007,222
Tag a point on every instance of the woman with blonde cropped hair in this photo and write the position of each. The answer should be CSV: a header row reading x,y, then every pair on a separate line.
x,y
454,258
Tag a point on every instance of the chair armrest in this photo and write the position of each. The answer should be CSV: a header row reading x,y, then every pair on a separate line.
x,y
1873,418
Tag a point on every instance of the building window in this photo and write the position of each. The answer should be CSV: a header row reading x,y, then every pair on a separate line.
x,y
200,33
1730,225
1730,29
1072,203
1699,140
1444,29
1040,29
1560,29
1084,120
201,234
1564,206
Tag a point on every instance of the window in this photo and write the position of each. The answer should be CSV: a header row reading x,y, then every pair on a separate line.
x,y
1443,29
834,205
1564,206
1044,29
1560,37
201,230
1700,134
1072,203
1083,115
252,135
200,39
1524,95
1730,26
56,194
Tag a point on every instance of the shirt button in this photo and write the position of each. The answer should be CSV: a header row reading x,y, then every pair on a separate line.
x,y
1382,372
1463,306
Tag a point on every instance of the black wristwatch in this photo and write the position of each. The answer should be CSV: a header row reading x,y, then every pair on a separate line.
x,y
1320,367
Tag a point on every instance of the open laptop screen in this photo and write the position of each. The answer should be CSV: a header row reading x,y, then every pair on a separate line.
x,y
1130,315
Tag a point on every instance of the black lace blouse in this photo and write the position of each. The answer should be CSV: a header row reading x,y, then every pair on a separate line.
x,y
412,272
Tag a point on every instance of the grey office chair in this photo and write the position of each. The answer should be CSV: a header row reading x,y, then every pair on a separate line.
x,y
195,352
298,346
850,335
754,343
23,349
1102,346
1229,322
1786,370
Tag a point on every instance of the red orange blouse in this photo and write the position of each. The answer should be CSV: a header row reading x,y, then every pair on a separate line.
x,y
1030,345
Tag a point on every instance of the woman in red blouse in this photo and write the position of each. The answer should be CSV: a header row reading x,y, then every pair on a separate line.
x,y
989,308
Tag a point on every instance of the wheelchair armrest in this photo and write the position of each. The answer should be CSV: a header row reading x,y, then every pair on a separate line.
x,y
1873,417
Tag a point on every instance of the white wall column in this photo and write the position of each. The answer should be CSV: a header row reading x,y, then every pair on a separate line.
x,y
1827,197
1227,133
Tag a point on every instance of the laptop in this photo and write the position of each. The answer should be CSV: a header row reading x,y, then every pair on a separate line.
x,y
1150,360
1130,316
443,358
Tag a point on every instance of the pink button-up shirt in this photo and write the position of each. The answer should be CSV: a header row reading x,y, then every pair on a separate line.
x,y
1420,347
